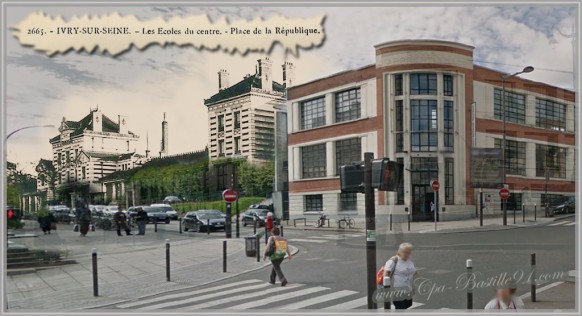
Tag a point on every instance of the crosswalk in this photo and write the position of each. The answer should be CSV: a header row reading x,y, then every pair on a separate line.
x,y
325,238
251,295
562,223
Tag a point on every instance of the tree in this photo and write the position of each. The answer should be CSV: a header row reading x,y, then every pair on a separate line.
x,y
256,179
47,173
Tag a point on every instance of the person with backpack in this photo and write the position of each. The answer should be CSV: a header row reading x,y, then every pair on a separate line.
x,y
46,221
141,219
120,219
276,250
83,218
401,272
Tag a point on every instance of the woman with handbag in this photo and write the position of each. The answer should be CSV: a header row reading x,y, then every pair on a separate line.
x,y
276,250
401,271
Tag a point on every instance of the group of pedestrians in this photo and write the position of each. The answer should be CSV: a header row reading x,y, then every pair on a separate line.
x,y
120,218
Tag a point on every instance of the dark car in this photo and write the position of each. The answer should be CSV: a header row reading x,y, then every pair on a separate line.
x,y
564,206
156,214
203,220
258,214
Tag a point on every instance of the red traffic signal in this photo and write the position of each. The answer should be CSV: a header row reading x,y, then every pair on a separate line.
x,y
11,214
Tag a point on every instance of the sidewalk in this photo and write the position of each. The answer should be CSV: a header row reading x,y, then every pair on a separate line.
x,y
129,267
557,297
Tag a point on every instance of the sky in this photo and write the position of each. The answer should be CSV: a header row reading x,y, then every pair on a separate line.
x,y
145,84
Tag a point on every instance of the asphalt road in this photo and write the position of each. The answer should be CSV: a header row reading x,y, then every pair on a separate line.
x,y
329,270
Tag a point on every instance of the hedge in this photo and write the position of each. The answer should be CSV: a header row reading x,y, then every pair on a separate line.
x,y
243,203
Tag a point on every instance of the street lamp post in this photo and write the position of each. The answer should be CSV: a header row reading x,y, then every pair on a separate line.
x,y
504,77
26,127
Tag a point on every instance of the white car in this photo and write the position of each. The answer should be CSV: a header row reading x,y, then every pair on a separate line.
x,y
172,214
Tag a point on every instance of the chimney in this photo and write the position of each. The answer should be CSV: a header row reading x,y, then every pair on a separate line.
x,y
97,121
223,81
288,74
122,122
264,72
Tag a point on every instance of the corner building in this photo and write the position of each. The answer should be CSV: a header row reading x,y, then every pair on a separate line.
x,y
424,103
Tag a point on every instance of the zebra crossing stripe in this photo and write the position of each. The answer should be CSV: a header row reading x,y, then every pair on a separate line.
x,y
558,223
309,240
186,294
319,299
362,301
570,224
278,298
206,297
267,293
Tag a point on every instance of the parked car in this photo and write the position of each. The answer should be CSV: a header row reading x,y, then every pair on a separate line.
x,y
565,206
156,214
203,220
132,210
172,199
172,214
258,214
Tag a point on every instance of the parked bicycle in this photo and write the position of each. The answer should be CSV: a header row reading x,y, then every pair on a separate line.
x,y
347,222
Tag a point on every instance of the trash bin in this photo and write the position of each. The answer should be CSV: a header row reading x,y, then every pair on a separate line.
x,y
251,246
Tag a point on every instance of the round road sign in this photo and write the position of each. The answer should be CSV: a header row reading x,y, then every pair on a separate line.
x,y
229,196
435,185
504,194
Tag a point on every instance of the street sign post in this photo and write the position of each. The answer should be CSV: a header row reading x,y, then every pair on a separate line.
x,y
435,188
229,196
370,205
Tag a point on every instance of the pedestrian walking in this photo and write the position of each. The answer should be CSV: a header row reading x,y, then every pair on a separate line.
x,y
141,219
402,272
276,250
505,299
47,221
269,223
83,217
120,219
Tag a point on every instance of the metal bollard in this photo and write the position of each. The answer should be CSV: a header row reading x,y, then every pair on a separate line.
x,y
257,240
535,212
408,213
523,211
95,275
255,226
281,230
224,256
208,227
266,234
168,260
533,277
469,265
180,225
156,226
390,221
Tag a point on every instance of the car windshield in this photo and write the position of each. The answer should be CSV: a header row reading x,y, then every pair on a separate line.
x,y
262,212
209,215
153,210
164,208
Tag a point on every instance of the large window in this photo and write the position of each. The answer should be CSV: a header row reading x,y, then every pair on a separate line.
x,y
347,105
399,125
514,202
398,85
312,113
551,159
424,135
551,199
449,181
347,151
400,189
314,203
236,119
220,119
237,145
448,85
348,201
514,106
423,84
449,126
550,115
514,156
313,161
221,147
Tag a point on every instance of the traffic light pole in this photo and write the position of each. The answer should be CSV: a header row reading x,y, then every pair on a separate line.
x,y
370,230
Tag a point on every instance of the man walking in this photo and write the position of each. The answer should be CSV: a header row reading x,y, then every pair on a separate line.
x,y
83,217
141,218
120,219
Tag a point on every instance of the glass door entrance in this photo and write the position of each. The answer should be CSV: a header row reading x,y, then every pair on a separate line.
x,y
423,171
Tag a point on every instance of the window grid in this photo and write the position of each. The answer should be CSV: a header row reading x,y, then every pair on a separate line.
x,y
236,119
424,132
313,161
347,105
313,113
347,151
423,84
514,156
550,115
398,85
220,119
449,125
399,124
348,201
314,203
514,106
551,198
400,189
448,85
449,181
552,159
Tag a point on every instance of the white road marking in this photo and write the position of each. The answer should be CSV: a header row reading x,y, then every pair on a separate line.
x,y
570,224
331,260
557,223
309,240
319,299
362,301
541,289
269,299
186,294
312,259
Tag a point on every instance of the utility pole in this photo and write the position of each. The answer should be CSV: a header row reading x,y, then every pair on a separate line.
x,y
370,230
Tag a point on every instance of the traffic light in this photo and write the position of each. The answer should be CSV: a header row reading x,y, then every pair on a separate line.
x,y
386,174
12,213
352,177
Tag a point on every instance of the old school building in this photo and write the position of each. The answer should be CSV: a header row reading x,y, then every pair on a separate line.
x,y
425,104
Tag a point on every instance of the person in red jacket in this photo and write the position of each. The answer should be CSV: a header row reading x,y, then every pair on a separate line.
x,y
269,223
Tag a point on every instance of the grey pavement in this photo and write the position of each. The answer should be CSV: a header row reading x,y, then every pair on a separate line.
x,y
557,297
129,267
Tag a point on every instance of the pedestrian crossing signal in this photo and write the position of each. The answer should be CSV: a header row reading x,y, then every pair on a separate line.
x,y
11,214
386,174
352,177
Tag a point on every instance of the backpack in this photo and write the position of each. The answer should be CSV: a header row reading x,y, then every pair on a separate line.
x,y
381,272
280,249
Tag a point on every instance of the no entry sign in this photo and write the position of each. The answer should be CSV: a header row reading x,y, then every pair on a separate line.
x,y
504,194
229,196
435,185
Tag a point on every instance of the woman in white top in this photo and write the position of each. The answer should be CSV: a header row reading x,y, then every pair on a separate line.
x,y
402,272
505,300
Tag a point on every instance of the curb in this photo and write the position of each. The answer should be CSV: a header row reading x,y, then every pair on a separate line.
x,y
325,229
